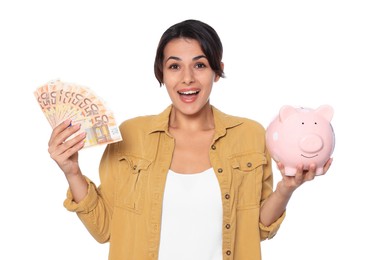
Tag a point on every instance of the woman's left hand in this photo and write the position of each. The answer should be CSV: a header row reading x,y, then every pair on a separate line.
x,y
291,183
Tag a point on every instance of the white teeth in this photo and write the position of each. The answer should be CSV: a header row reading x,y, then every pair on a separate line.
x,y
190,92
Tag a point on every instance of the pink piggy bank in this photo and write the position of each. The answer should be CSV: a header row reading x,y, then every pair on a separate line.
x,y
301,136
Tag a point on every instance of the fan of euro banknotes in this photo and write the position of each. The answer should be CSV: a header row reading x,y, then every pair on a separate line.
x,y
60,101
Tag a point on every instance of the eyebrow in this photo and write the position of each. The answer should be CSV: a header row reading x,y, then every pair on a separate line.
x,y
178,59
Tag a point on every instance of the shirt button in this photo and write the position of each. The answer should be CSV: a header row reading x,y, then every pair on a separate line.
x,y
228,252
249,164
227,196
227,226
220,170
134,167
213,147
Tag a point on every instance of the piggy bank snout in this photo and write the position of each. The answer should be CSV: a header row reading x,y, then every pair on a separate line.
x,y
311,143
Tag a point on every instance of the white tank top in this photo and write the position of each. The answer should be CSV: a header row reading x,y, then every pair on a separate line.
x,y
192,217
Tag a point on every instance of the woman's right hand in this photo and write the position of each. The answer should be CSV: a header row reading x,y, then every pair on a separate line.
x,y
65,152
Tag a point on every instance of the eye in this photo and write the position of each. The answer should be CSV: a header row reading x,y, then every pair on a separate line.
x,y
302,123
174,66
200,65
315,123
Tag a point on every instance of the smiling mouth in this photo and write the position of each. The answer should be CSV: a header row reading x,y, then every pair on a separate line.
x,y
309,156
189,93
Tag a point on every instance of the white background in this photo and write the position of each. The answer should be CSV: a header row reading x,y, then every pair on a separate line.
x,y
302,53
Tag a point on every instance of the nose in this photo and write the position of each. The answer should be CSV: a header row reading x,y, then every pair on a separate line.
x,y
188,76
311,143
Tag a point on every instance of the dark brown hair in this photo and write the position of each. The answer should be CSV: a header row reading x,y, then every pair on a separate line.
x,y
196,30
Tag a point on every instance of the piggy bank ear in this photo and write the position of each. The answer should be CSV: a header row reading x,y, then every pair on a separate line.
x,y
325,111
286,111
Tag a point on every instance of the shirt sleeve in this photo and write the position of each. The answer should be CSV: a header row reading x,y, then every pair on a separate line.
x,y
95,210
87,204
268,232
271,230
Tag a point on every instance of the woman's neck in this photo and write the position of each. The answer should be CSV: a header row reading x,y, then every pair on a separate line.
x,y
203,120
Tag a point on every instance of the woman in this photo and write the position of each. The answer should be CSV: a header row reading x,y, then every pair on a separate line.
x,y
189,183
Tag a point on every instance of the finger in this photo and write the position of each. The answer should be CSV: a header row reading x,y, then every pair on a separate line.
x,y
311,173
72,149
299,176
59,128
281,168
327,165
68,161
61,138
68,148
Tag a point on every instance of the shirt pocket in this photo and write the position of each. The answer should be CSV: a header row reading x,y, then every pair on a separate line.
x,y
130,189
247,178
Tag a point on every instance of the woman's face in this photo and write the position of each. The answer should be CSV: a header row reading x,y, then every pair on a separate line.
x,y
187,75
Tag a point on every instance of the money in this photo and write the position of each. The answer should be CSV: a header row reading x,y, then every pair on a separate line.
x,y
61,100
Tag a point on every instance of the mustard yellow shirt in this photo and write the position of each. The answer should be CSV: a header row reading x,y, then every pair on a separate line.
x,y
125,210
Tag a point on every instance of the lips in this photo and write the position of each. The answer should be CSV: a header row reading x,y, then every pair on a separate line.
x,y
188,95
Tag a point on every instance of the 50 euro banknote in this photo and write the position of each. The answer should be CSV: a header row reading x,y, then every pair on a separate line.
x,y
60,101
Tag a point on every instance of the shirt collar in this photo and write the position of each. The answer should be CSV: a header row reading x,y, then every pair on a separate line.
x,y
222,122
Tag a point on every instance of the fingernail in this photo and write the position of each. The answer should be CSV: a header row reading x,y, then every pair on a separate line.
x,y
68,122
